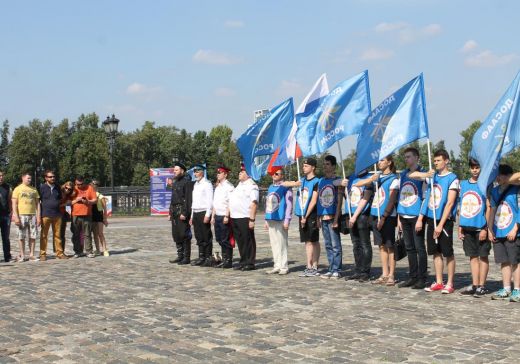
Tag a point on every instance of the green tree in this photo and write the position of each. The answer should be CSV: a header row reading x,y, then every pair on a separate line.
x,y
4,145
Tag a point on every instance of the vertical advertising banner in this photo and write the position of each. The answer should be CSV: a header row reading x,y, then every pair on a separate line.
x,y
160,190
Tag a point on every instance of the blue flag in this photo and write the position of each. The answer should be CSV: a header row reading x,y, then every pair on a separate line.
x,y
398,120
262,138
498,135
328,119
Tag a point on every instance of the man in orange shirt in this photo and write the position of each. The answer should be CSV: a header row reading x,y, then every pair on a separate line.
x,y
84,198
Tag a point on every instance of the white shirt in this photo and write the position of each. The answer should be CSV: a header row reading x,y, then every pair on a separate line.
x,y
221,197
241,197
202,197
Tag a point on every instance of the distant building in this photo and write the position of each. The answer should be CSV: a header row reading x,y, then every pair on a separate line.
x,y
259,113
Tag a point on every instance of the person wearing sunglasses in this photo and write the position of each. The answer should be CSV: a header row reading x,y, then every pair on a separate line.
x,y
50,197
82,217
278,213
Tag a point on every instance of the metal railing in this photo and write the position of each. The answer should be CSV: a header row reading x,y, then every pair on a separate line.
x,y
135,201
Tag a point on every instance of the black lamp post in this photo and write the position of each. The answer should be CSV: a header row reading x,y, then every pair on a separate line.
x,y
110,126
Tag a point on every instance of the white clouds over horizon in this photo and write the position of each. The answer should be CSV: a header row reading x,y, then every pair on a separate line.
x,y
224,92
482,58
208,56
408,33
137,88
376,54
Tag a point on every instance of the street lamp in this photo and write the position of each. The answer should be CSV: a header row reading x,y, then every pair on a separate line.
x,y
110,126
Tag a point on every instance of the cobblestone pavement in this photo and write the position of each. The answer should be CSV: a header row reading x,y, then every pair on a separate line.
x,y
135,307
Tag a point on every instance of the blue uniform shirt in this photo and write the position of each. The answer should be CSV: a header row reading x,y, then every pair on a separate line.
x,y
472,205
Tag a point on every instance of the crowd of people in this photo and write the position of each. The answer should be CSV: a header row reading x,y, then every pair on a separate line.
x,y
36,211
415,207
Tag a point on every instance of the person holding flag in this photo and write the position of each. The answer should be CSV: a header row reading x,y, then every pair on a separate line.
x,y
384,217
503,232
473,230
278,213
306,201
439,210
411,194
329,211
359,224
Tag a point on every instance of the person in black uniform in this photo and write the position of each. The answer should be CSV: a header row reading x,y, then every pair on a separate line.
x,y
180,212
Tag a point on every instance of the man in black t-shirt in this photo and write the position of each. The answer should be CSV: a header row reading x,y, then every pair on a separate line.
x,y
5,216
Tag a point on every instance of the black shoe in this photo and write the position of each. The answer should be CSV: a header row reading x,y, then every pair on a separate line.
x,y
238,267
353,277
208,262
420,284
199,261
249,267
408,283
481,292
174,261
184,261
363,278
469,291
226,264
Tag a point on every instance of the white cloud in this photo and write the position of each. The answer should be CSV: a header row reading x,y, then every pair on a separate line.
x,y
390,27
234,24
469,46
208,56
137,88
407,33
376,54
487,58
224,92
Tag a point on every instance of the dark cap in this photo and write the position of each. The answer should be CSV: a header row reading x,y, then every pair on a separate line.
x,y
180,165
310,161
80,178
243,167
200,167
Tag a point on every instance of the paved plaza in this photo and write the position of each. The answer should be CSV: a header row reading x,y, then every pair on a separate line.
x,y
135,307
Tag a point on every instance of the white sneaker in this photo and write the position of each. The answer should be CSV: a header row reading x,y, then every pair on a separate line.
x,y
335,275
326,275
273,271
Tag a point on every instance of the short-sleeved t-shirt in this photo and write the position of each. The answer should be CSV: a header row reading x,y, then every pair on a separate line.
x,y
81,209
28,198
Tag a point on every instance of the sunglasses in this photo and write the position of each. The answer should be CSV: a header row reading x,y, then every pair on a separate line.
x,y
50,176
68,189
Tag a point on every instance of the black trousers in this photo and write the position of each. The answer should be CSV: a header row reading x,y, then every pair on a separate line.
x,y
222,232
415,249
245,238
361,247
202,230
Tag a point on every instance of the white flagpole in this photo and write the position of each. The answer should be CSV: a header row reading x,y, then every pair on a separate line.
x,y
377,195
299,188
346,187
432,188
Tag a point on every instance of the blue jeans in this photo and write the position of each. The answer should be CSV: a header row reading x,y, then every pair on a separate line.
x,y
5,226
332,245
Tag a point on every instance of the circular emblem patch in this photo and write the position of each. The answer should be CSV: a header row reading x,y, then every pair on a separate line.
x,y
471,204
355,196
272,203
437,194
408,194
504,216
379,198
327,196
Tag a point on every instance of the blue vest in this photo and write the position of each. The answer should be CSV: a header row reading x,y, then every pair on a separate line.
x,y
507,211
410,195
307,187
275,203
441,185
355,195
472,205
327,196
384,194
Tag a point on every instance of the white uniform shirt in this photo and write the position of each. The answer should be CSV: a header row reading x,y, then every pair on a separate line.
x,y
202,198
241,198
221,197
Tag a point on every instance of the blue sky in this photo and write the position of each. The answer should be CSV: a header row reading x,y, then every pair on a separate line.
x,y
196,64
